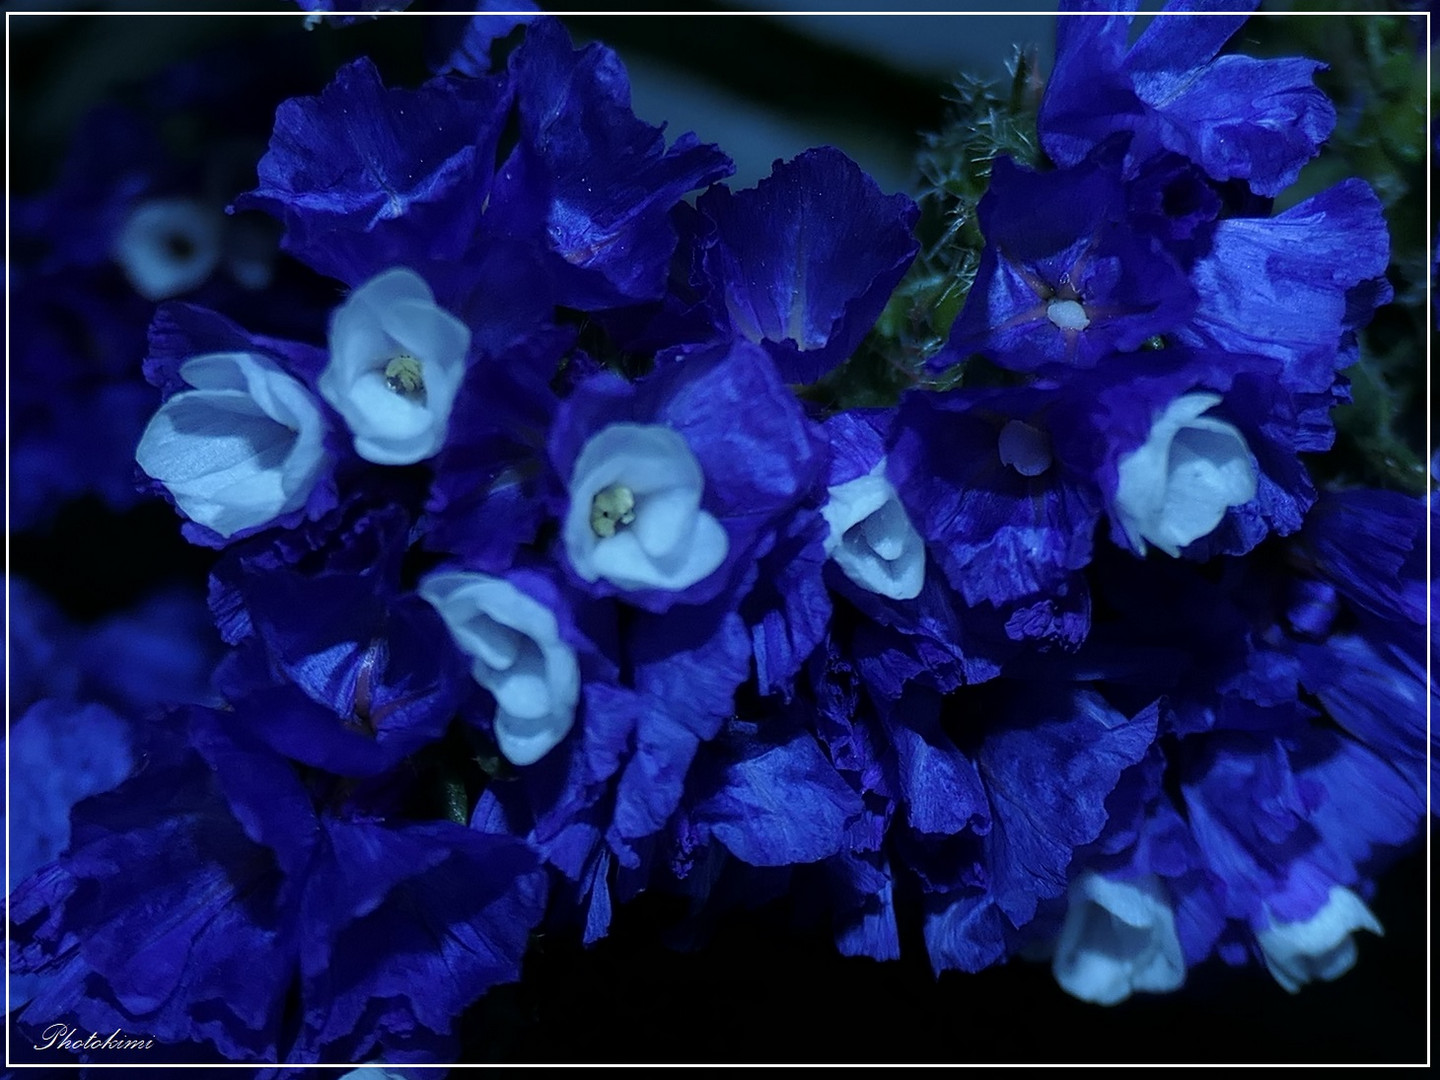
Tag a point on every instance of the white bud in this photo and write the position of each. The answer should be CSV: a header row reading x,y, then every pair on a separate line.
x,y
1177,486
243,447
516,653
1119,937
1024,448
1321,947
871,538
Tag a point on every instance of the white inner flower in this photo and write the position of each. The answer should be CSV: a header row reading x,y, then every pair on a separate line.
x,y
169,246
396,364
1024,448
635,518
1321,947
243,447
1067,314
516,653
871,538
1177,486
1119,937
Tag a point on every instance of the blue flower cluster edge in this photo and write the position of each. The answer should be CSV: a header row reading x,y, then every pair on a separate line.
x,y
542,579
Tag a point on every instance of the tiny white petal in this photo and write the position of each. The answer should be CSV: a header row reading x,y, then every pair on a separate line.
x,y
394,316
871,538
243,447
169,246
672,543
1119,937
1067,315
517,654
1321,947
1024,448
1176,487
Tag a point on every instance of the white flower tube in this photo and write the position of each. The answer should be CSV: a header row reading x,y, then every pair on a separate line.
x,y
243,447
1177,486
871,538
1321,947
516,653
396,364
635,517
169,246
1119,937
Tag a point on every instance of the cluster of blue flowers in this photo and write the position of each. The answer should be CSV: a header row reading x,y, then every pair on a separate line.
x,y
546,580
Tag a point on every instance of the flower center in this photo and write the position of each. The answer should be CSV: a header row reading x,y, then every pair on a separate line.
x,y
1067,315
611,508
405,375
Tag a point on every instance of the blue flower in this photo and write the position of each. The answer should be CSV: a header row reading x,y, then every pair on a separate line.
x,y
1066,276
605,179
320,614
240,441
488,496
263,886
366,178
1047,768
1237,117
1006,515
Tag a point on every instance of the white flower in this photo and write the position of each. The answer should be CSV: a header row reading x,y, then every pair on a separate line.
x,y
1177,486
1118,937
635,517
1067,314
243,447
169,246
871,538
1321,947
516,653
396,363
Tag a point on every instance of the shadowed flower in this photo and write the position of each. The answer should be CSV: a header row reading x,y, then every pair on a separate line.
x,y
241,448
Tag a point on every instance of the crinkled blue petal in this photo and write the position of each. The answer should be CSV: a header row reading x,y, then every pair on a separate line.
x,y
454,908
939,786
1048,777
367,178
789,608
1239,118
806,259
772,799
1283,286
187,944
1064,237
610,178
